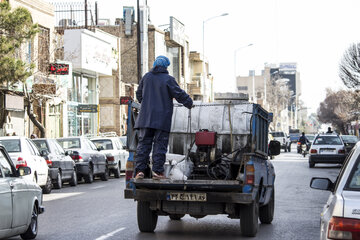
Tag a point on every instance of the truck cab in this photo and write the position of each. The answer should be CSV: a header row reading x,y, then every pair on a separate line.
x,y
223,152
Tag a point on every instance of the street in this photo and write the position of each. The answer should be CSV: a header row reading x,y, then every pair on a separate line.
x,y
99,211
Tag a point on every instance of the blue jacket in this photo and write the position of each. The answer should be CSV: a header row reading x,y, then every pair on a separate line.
x,y
155,93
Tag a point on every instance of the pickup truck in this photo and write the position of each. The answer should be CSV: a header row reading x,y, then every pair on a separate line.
x,y
227,146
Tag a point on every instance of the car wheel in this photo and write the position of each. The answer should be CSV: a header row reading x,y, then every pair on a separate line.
x,y
176,217
89,178
249,219
48,186
74,180
117,171
146,218
105,175
311,164
32,230
266,213
58,183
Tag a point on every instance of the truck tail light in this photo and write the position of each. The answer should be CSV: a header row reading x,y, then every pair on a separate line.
x,y
250,174
21,163
110,158
49,162
313,151
344,228
129,172
341,151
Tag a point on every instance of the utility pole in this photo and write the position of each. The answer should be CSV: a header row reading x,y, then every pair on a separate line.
x,y
138,42
86,11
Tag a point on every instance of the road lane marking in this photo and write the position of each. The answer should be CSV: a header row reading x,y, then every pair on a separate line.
x,y
97,187
111,234
56,196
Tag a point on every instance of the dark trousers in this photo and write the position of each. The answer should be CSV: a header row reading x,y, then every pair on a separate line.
x,y
157,140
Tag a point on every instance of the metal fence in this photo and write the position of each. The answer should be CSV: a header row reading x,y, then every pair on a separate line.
x,y
75,14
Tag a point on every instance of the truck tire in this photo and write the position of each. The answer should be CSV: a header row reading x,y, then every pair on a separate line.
x,y
266,213
146,218
311,164
289,148
176,217
285,149
249,219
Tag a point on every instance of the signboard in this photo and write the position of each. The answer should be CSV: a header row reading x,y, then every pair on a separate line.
x,y
59,69
87,108
177,31
14,102
287,66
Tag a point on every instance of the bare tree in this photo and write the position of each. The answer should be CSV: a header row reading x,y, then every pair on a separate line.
x,y
349,71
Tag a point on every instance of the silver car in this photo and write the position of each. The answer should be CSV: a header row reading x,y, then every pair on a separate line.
x,y
340,218
20,200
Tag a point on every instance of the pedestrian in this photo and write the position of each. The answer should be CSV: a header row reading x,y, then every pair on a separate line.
x,y
155,93
33,136
329,130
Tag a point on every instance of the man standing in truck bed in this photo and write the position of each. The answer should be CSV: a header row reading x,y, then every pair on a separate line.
x,y
155,93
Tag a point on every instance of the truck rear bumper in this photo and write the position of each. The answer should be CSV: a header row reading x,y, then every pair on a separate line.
x,y
212,197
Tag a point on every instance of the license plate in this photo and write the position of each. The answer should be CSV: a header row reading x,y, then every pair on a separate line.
x,y
327,151
188,197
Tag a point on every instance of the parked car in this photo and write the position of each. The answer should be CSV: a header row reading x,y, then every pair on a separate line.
x,y
283,139
349,141
59,160
123,140
23,152
115,154
89,160
20,200
327,148
340,218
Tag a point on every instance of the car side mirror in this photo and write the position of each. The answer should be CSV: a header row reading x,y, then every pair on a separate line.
x,y
68,152
100,148
23,171
44,153
274,148
321,184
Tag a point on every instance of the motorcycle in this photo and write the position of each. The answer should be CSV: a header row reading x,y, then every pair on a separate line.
x,y
304,149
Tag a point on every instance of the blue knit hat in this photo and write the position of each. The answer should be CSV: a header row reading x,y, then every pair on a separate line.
x,y
161,61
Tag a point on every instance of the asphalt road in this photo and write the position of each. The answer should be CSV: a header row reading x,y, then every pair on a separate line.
x,y
99,211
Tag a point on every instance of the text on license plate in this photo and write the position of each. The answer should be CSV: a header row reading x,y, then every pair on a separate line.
x,y
190,197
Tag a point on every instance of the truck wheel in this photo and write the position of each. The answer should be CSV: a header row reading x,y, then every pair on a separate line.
x,y
266,213
285,149
249,219
176,217
311,164
146,218
289,148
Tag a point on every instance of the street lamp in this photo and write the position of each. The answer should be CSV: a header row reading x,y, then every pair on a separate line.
x,y
203,45
235,64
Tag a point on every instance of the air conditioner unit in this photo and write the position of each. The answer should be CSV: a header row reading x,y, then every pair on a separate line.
x,y
67,22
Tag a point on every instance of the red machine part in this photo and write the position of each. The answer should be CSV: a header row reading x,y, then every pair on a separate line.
x,y
205,137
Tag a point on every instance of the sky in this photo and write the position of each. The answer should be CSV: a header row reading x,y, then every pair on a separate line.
x,y
314,34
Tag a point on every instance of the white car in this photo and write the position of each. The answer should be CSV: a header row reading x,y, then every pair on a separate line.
x,y
20,200
327,148
115,153
23,152
340,218
283,139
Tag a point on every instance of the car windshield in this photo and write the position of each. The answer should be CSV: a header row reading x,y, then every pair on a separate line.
x,y
350,139
69,143
105,143
277,134
11,145
41,145
354,183
327,140
310,137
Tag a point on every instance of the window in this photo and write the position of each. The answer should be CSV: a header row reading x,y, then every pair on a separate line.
x,y
106,144
277,134
58,147
354,178
327,140
5,166
44,49
35,149
243,88
12,145
42,145
69,143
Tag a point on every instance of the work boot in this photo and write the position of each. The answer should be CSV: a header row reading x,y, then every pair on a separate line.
x,y
140,175
158,176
